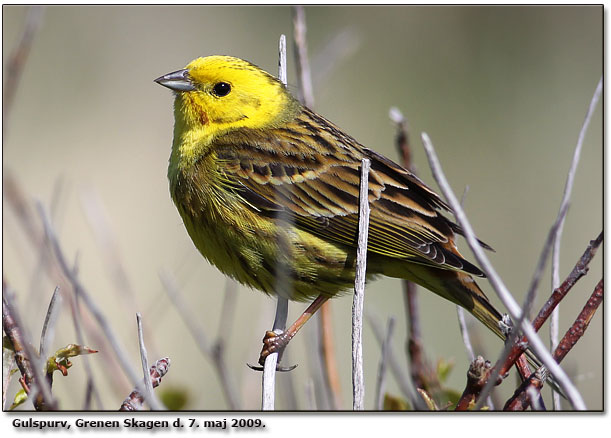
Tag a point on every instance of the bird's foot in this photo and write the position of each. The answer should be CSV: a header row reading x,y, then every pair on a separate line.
x,y
273,343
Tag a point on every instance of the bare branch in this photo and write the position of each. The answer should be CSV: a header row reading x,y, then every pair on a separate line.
x,y
420,370
580,269
358,384
282,60
134,400
497,284
148,393
398,370
198,334
568,187
33,381
79,290
464,332
579,327
17,61
341,46
303,62
268,384
523,396
528,301
381,379
48,327
477,376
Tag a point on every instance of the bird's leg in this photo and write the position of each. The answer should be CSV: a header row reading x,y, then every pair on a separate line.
x,y
274,342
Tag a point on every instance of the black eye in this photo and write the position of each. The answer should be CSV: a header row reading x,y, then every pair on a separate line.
x,y
221,89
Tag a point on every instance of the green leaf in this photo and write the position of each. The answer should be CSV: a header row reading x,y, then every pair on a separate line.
x,y
20,398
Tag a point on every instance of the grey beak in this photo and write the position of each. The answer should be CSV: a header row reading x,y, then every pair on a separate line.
x,y
177,81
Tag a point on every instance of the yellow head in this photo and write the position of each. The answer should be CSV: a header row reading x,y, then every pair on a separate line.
x,y
219,93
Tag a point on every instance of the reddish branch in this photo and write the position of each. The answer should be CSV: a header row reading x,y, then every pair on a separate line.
x,y
331,373
420,372
135,400
521,400
15,335
580,269
580,325
477,376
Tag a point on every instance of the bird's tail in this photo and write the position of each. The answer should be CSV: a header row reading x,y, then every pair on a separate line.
x,y
462,289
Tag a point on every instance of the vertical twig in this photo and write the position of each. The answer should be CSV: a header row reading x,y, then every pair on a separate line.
x,y
204,345
568,187
405,383
134,400
464,332
381,380
282,305
306,91
28,362
148,393
91,388
303,63
418,365
499,287
358,383
48,327
17,61
82,293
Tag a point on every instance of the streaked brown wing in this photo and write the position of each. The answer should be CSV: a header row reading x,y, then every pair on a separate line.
x,y
312,170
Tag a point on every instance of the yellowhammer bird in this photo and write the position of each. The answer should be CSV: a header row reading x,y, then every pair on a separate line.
x,y
267,187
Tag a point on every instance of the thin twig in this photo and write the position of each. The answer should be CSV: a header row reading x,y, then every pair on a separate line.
x,y
44,256
405,383
91,387
358,383
341,46
579,327
327,351
31,367
268,383
268,395
33,228
568,187
464,332
301,51
330,369
134,400
499,287
48,327
522,397
418,364
282,75
107,241
17,61
578,271
148,393
198,334
78,288
526,306
381,379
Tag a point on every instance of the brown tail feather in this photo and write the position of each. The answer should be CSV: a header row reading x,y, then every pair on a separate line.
x,y
462,289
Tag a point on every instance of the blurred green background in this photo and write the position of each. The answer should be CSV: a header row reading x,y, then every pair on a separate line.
x,y
502,92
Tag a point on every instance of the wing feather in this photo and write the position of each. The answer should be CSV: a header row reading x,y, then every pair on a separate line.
x,y
311,170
